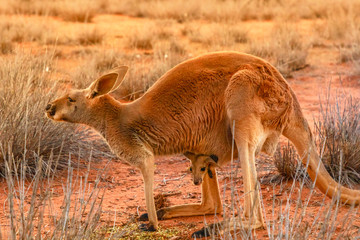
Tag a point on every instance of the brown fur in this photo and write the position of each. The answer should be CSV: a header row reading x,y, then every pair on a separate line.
x,y
199,106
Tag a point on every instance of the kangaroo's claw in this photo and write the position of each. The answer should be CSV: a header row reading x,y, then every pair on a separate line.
x,y
160,215
147,227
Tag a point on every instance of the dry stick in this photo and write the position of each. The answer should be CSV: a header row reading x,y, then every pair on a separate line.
x,y
10,184
32,211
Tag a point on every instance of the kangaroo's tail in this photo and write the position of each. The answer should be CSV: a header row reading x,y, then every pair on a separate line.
x,y
298,132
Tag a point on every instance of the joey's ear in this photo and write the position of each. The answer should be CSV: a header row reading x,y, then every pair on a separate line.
x,y
108,82
211,161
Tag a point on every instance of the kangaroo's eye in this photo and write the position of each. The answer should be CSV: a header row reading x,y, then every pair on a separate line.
x,y
190,169
203,169
71,100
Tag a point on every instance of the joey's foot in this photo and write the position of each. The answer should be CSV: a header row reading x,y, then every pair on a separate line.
x,y
147,227
160,215
204,232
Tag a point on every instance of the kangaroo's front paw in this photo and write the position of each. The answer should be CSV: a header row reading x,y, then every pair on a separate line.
x,y
160,215
147,227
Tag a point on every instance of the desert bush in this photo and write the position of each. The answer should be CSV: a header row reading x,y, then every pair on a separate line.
x,y
69,10
212,10
143,37
285,48
26,134
288,165
90,37
6,47
216,35
30,209
338,128
22,31
144,70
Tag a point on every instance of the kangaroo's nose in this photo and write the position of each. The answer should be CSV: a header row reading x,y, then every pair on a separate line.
x,y
197,181
48,107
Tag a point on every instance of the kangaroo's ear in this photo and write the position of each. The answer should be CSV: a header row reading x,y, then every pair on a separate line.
x,y
211,161
108,82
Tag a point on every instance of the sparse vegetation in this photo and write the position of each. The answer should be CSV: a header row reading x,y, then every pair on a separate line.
x,y
91,37
285,48
217,35
26,135
338,129
288,165
30,208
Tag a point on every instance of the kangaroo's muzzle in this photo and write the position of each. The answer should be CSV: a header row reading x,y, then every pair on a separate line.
x,y
50,109
197,181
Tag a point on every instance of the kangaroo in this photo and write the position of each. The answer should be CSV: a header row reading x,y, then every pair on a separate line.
x,y
199,106
200,166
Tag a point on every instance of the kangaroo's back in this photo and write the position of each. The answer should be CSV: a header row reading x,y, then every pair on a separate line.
x,y
187,104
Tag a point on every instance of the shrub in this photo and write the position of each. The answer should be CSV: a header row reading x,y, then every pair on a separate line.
x,y
338,128
285,48
288,164
90,37
26,134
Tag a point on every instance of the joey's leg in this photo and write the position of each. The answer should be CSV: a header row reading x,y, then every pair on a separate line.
x,y
147,170
210,202
253,216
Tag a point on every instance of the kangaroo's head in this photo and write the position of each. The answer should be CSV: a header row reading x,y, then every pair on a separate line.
x,y
200,166
76,105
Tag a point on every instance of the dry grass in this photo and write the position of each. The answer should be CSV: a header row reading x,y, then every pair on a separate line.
x,y
341,22
217,36
91,37
26,135
338,129
286,212
6,47
143,72
225,11
288,165
285,48
30,208
146,36
211,10
22,31
69,10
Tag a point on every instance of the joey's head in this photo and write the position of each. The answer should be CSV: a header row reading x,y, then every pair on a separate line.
x,y
76,105
200,166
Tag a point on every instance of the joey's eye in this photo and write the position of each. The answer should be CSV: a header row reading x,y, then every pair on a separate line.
x,y
203,169
71,100
190,169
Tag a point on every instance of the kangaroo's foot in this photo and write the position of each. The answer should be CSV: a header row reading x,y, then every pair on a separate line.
x,y
226,227
160,215
147,227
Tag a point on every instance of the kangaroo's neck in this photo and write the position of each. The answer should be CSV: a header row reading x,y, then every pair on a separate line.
x,y
105,112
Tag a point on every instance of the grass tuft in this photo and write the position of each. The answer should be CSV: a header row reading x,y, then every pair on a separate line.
x,y
26,87
285,48
91,37
338,128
